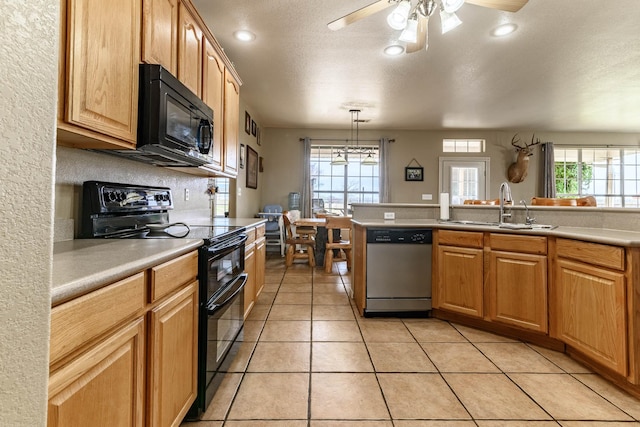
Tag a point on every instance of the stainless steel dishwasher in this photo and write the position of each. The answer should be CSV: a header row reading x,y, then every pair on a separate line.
x,y
398,270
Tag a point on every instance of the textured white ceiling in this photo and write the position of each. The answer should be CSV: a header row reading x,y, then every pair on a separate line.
x,y
573,65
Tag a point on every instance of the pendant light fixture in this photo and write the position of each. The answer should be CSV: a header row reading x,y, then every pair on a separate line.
x,y
341,160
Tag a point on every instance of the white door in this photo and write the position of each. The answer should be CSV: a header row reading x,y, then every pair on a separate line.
x,y
464,178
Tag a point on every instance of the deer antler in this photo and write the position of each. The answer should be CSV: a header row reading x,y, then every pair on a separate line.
x,y
515,142
533,143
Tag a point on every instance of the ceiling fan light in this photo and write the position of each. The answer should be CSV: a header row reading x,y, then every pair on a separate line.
x,y
410,33
394,50
452,6
449,21
397,19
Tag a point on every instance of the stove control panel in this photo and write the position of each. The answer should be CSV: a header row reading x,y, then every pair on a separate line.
x,y
104,197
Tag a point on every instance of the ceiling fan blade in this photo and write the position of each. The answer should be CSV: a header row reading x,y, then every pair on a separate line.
x,y
421,40
506,5
359,14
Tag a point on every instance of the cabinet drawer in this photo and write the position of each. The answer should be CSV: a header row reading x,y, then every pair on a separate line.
x,y
251,235
516,243
169,276
467,239
592,253
79,321
260,231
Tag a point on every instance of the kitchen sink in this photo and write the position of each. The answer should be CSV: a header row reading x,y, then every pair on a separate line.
x,y
467,222
506,225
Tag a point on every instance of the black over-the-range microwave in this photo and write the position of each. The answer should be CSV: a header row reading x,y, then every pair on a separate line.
x,y
175,127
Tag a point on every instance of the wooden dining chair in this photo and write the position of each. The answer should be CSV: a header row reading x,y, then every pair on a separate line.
x,y
292,240
343,245
553,201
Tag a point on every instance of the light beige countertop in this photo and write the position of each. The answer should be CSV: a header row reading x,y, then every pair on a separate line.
x,y
222,222
597,235
83,265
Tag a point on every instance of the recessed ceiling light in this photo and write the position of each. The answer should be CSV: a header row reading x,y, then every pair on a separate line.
x,y
504,30
244,35
394,50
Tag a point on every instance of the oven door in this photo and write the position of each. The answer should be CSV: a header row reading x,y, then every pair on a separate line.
x,y
225,319
224,262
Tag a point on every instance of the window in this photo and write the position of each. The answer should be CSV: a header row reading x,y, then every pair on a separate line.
x,y
612,175
464,178
336,187
221,204
463,145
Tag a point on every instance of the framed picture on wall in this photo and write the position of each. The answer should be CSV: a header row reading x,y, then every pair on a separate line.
x,y
247,123
253,128
413,173
241,160
252,168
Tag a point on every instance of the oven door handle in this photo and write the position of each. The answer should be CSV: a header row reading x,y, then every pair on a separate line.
x,y
221,249
214,306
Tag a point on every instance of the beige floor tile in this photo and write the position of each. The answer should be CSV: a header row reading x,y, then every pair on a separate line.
x,y
271,397
319,276
266,298
399,357
458,357
330,299
519,423
613,394
252,329
286,330
271,287
296,279
336,330
517,357
259,312
340,357
241,360
385,331
433,330
290,312
334,423
476,335
296,287
565,363
221,401
201,424
420,396
329,288
342,396
332,312
293,298
565,398
280,357
597,424
439,423
494,396
255,423
299,268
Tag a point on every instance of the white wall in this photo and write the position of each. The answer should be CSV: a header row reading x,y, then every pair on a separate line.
x,y
29,55
283,158
247,200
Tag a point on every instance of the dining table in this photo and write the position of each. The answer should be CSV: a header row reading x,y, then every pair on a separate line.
x,y
321,236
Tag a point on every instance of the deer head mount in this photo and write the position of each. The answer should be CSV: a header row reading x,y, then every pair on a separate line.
x,y
517,171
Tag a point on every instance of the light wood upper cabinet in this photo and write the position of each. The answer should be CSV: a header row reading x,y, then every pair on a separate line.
x,y
99,77
173,357
189,50
231,122
213,95
591,314
160,33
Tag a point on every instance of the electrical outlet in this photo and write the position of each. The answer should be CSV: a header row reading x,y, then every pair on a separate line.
x,y
389,215
186,194
427,197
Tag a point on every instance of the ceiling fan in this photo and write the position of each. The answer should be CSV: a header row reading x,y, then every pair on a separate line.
x,y
413,19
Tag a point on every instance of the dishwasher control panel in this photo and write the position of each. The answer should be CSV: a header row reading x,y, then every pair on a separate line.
x,y
399,235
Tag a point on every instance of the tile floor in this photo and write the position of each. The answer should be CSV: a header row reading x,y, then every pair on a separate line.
x,y
308,360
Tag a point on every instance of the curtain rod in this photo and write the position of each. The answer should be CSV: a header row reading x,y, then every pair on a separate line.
x,y
344,139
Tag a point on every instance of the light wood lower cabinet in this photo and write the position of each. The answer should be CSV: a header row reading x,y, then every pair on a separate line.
x,y
459,285
250,286
103,386
125,354
173,334
261,258
591,313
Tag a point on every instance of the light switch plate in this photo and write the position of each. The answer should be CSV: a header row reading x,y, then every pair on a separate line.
x,y
389,215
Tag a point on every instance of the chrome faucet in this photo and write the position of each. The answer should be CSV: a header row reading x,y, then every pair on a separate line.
x,y
529,220
505,196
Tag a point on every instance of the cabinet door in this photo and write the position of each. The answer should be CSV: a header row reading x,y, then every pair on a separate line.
x,y
213,95
518,290
591,312
173,363
189,51
231,123
160,33
103,386
261,254
460,280
102,66
250,286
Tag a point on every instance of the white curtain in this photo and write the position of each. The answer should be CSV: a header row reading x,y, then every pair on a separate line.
x,y
305,199
384,170
548,171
